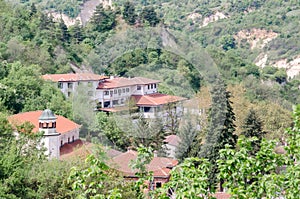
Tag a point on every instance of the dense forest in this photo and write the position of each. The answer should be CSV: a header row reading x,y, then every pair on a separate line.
x,y
223,54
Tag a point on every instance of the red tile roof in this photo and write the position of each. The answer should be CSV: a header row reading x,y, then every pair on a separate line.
x,y
118,82
73,77
221,195
63,125
76,149
159,166
156,99
172,140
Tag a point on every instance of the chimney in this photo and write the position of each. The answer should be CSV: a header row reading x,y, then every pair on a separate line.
x,y
155,153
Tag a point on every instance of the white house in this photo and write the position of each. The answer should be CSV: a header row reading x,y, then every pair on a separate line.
x,y
58,130
68,83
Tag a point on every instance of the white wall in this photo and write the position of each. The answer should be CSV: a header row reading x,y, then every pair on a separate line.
x,y
69,135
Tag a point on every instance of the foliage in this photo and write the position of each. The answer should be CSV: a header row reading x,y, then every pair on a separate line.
x,y
188,180
102,19
253,128
96,180
129,14
221,127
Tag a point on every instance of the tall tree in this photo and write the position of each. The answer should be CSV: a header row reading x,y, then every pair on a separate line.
x,y
252,127
221,127
103,20
187,134
129,14
149,15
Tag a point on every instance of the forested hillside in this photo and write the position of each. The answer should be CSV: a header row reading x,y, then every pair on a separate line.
x,y
238,62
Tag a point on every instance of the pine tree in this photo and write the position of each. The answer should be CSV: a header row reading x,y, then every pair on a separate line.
x,y
148,14
187,134
129,14
103,20
221,127
252,127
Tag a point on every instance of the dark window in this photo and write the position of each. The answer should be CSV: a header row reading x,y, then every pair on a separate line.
x,y
73,138
115,102
60,85
61,143
68,140
138,87
127,90
69,94
115,91
106,104
106,93
147,109
158,185
154,85
111,93
119,91
70,85
151,86
148,86
123,90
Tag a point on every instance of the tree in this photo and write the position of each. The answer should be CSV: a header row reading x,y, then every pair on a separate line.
x,y
252,127
129,14
251,176
149,15
227,42
189,179
103,20
5,131
187,134
221,127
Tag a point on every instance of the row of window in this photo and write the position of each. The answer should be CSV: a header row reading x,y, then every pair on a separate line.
x,y
151,86
117,91
70,85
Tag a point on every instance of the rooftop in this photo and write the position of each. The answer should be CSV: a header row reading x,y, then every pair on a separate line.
x,y
118,82
156,99
63,125
160,166
76,149
73,77
172,140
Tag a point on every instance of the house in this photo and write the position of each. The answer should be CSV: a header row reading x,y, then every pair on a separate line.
x,y
68,83
116,92
60,134
160,166
170,145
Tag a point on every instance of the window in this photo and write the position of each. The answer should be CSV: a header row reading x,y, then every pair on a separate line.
x,y
115,102
123,90
68,140
119,91
148,86
61,143
127,90
60,85
73,138
147,109
138,87
151,86
70,85
158,185
154,85
122,101
115,91
111,93
69,94
106,93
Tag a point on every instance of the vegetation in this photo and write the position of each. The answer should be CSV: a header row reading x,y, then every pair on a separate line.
x,y
255,105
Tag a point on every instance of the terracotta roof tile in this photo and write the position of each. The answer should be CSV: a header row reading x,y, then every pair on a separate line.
x,y
122,82
156,99
76,149
73,77
160,166
172,140
63,125
221,195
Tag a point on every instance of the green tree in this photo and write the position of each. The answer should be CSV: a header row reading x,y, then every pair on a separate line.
x,y
221,127
252,127
149,15
187,134
103,20
129,14
189,179
251,176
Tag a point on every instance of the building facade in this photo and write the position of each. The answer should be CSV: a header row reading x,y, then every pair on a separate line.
x,y
58,131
